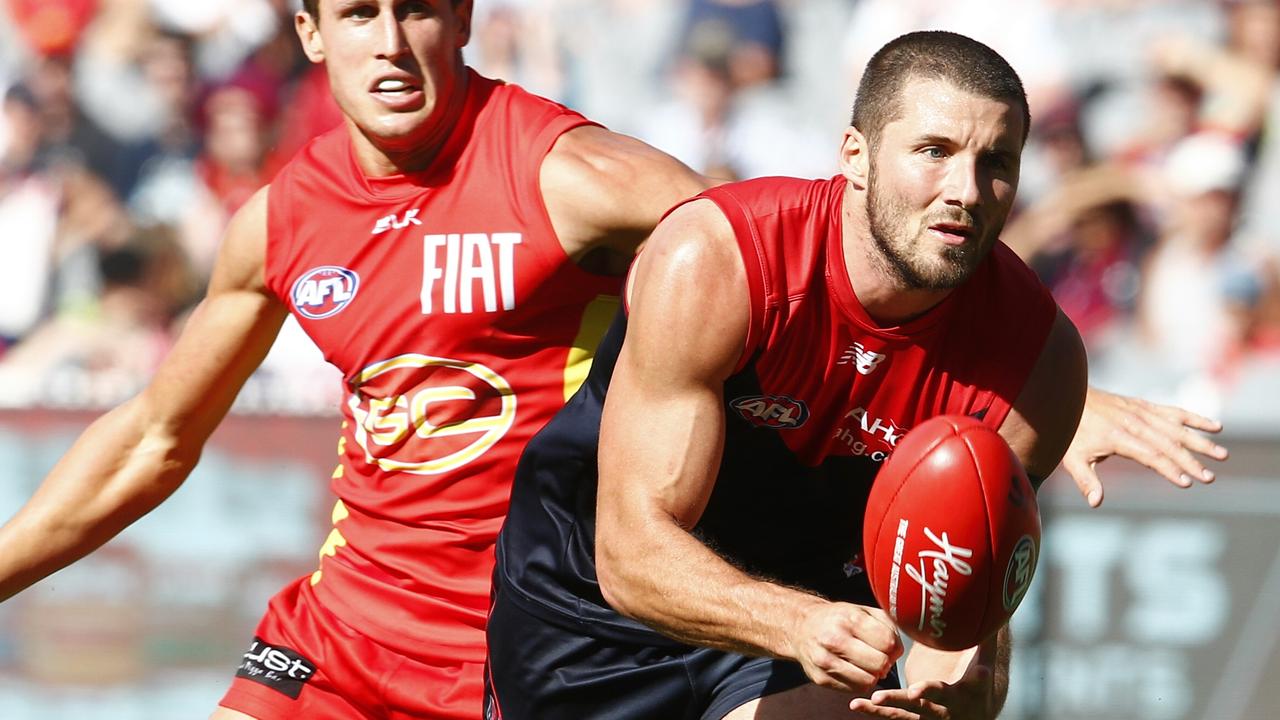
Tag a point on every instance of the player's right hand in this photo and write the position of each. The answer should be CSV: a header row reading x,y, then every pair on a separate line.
x,y
846,647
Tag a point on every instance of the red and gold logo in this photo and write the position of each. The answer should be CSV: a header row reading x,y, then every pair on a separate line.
x,y
428,415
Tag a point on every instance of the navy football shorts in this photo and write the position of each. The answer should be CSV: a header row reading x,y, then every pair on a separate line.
x,y
540,671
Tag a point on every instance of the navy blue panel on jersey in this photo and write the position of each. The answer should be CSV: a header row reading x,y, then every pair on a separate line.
x,y
546,549
768,514
557,649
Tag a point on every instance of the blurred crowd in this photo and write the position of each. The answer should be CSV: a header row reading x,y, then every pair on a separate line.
x,y
132,129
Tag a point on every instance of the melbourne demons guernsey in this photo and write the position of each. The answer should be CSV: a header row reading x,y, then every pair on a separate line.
x,y
460,326
822,396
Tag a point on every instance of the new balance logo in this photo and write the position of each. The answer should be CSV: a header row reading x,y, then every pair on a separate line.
x,y
861,358
393,222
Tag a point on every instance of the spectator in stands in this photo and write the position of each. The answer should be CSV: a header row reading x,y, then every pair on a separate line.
x,y
111,346
517,40
724,122
28,219
1086,235
1095,277
236,120
612,54
1255,34
54,213
52,27
68,135
1253,31
163,159
695,124
1183,310
756,26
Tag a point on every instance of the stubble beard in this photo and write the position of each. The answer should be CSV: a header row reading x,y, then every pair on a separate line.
x,y
901,257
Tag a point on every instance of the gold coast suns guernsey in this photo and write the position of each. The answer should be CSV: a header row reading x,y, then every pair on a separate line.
x,y
460,327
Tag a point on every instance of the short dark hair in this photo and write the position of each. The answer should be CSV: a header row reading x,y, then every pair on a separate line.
x,y
932,54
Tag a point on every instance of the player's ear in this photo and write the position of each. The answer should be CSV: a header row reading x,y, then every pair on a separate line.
x,y
855,157
462,11
309,35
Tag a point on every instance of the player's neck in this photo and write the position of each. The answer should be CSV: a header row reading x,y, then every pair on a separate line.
x,y
885,297
378,159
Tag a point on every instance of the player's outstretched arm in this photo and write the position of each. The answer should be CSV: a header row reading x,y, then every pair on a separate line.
x,y
131,459
661,439
1164,438
607,190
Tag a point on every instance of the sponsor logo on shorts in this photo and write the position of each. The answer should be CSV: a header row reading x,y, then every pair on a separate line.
x,y
772,411
1017,577
279,668
324,291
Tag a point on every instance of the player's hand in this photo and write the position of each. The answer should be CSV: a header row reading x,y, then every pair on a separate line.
x,y
1162,437
846,647
972,697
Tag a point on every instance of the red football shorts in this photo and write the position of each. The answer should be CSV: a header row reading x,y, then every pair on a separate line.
x,y
306,663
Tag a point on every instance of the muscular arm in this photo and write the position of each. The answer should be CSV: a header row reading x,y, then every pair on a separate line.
x,y
131,459
607,191
1044,417
661,439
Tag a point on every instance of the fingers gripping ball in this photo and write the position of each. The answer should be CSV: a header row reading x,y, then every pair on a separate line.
x,y
951,533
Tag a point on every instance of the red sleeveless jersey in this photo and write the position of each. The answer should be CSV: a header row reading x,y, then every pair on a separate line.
x,y
821,397
835,381
460,326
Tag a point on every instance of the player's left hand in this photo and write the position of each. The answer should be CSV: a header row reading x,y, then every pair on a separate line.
x,y
972,697
1166,439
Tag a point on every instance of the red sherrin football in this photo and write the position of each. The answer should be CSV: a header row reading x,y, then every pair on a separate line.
x,y
951,533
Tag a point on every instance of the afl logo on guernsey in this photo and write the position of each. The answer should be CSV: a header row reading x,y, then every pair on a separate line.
x,y
772,411
428,415
324,291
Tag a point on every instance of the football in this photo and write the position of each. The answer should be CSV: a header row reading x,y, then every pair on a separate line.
x,y
951,533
